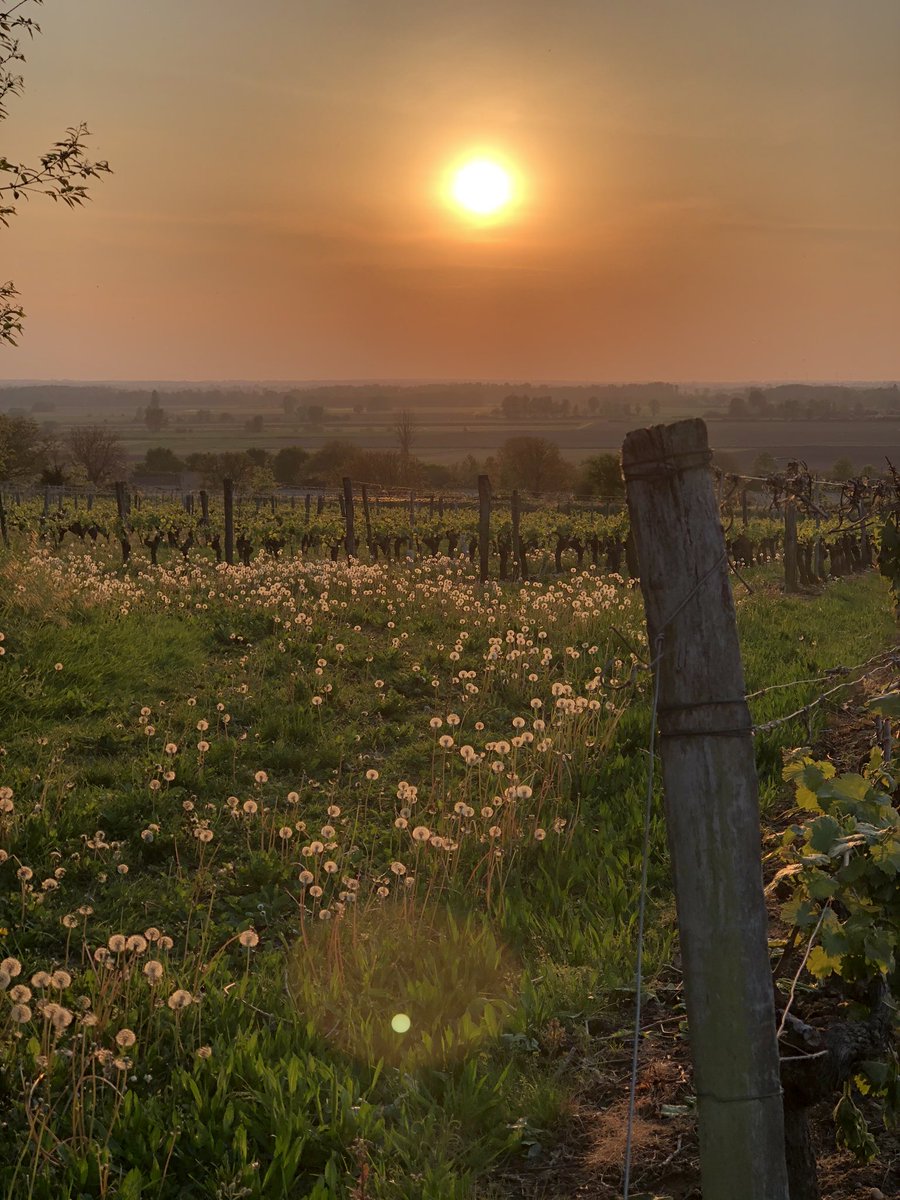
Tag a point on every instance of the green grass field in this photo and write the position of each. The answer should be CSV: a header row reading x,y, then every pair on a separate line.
x,y
304,863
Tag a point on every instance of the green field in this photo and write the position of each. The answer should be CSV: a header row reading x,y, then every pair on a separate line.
x,y
305,864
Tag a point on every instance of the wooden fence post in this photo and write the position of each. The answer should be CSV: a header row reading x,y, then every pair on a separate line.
x,y
484,527
350,539
865,545
712,810
515,515
3,530
122,511
791,576
228,503
367,517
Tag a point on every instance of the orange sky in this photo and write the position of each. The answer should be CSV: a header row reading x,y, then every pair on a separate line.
x,y
708,190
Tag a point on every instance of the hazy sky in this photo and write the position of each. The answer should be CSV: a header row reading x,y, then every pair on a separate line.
x,y
706,189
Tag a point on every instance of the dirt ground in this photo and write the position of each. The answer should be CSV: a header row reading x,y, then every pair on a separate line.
x,y
585,1163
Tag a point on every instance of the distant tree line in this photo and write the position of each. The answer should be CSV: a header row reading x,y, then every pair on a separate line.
x,y
807,402
93,454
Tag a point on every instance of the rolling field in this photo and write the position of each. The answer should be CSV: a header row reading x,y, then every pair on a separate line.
x,y
315,877
449,435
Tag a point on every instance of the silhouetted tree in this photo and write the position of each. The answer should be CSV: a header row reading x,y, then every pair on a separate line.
x,y
533,463
23,447
601,476
162,461
155,416
64,169
405,433
97,451
288,464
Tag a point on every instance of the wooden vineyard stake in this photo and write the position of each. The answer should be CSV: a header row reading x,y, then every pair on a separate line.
x,y
712,810
349,526
865,545
515,517
484,527
122,511
367,516
4,533
204,507
745,516
228,503
791,575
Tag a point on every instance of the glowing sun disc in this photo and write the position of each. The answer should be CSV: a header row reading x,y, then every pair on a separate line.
x,y
482,186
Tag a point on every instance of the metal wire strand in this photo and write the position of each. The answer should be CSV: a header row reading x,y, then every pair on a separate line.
x,y
642,906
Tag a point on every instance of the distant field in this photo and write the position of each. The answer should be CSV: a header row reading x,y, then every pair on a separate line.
x,y
449,436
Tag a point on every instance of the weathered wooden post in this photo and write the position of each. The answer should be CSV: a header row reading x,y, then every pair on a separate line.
x,y
745,515
791,576
411,555
712,810
4,533
350,538
204,506
484,527
515,518
122,511
367,517
228,504
865,544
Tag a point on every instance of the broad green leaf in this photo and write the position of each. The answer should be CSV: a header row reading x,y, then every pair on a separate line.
x,y
879,949
820,963
825,831
846,787
820,885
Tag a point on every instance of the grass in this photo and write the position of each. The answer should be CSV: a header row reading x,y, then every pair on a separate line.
x,y
240,777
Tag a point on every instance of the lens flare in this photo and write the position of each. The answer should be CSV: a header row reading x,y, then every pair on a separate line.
x,y
400,1023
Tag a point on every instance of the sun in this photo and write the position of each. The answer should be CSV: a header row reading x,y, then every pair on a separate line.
x,y
481,186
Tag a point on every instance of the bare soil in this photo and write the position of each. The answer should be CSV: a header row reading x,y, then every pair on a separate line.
x,y
586,1159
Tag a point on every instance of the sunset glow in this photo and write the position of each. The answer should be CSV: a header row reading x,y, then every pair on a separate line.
x,y
644,191
482,187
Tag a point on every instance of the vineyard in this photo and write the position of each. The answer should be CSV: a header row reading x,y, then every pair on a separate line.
x,y
829,537
319,868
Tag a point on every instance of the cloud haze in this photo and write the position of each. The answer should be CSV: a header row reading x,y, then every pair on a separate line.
x,y
708,190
